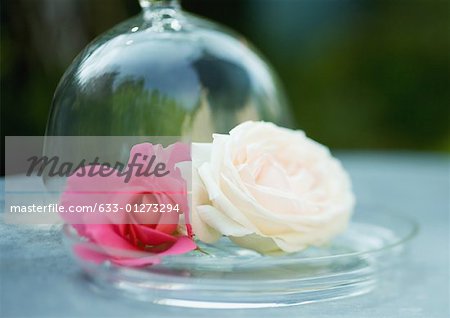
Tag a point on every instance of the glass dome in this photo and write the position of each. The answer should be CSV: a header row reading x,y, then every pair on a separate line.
x,y
165,73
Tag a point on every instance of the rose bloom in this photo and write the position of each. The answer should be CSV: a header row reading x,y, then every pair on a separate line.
x,y
268,188
131,238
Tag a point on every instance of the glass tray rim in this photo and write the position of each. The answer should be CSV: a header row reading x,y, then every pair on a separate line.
x,y
71,235
260,281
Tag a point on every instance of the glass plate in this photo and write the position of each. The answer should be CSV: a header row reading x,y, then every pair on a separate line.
x,y
227,276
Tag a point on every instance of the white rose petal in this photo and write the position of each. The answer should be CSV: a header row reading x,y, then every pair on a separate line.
x,y
268,188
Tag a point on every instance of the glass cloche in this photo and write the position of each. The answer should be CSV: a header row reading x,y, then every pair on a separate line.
x,y
165,73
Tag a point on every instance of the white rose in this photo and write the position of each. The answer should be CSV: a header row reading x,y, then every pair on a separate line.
x,y
269,189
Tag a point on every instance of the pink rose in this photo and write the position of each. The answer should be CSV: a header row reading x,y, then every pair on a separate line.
x,y
123,236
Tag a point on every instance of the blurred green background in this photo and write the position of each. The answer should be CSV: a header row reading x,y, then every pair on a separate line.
x,y
358,74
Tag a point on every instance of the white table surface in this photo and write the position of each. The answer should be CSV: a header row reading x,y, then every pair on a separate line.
x,y
39,279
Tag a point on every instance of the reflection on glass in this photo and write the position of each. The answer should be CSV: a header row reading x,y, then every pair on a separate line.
x,y
165,73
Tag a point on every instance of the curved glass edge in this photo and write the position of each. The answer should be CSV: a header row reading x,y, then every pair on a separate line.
x,y
411,228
